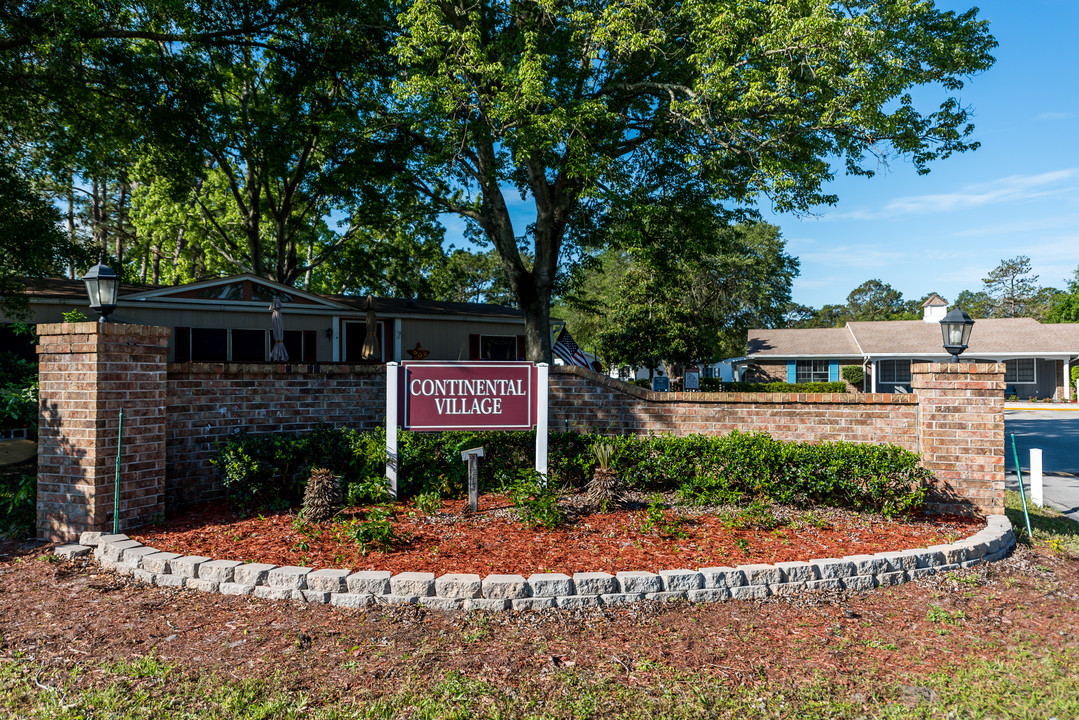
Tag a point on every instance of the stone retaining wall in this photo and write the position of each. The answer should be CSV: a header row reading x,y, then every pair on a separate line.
x,y
456,591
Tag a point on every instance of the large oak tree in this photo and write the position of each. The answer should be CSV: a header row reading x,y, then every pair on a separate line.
x,y
578,103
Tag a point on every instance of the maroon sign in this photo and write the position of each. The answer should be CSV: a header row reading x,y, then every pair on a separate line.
x,y
468,396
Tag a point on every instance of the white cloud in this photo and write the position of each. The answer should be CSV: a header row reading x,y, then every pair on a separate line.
x,y
1055,116
1013,188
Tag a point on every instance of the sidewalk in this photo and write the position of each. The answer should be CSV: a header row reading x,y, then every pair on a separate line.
x,y
1060,407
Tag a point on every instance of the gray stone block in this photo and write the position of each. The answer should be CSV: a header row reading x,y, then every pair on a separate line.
x,y
133,556
232,588
949,567
143,576
393,599
595,583
218,571
104,539
252,573
868,564
265,592
974,562
187,566
902,560
612,599
825,584
115,550
122,568
90,538
993,557
993,545
419,584
927,558
551,585
897,577
459,586
352,600
832,568
665,597
922,572
443,604
166,580
796,572
750,592
788,588
676,580
369,582
159,562
70,552
327,581
505,587
577,602
208,586
311,596
722,577
860,582
634,581
288,577
999,521
490,604
975,548
532,603
759,574
713,594
953,554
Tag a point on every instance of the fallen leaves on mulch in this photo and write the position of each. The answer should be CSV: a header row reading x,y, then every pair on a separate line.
x,y
495,541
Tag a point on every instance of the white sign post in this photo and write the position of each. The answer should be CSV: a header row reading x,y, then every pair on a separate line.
x,y
391,427
542,370
1037,496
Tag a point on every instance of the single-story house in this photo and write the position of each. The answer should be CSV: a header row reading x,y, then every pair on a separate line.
x,y
228,320
1038,357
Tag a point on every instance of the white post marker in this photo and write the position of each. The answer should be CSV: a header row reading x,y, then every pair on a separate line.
x,y
1037,496
541,420
391,427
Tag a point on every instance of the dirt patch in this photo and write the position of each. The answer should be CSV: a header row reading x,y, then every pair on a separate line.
x,y
495,541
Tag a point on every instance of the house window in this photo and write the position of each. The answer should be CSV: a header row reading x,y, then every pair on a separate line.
x,y
812,371
355,334
248,345
498,347
1019,371
894,372
300,345
209,345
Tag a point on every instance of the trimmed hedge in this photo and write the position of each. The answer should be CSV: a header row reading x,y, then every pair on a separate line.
x,y
717,385
269,470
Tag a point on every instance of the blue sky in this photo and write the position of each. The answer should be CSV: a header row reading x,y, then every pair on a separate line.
x,y
943,232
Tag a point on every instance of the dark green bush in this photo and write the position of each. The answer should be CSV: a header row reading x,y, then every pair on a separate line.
x,y
268,470
18,392
854,374
782,387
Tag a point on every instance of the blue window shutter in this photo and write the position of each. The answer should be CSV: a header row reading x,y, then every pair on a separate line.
x,y
792,371
833,371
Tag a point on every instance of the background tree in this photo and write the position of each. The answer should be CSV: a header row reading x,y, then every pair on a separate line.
x,y
874,300
1064,306
1013,290
571,104
976,304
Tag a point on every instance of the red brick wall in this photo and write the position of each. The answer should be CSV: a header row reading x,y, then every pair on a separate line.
x,y
176,414
961,432
592,402
207,401
88,372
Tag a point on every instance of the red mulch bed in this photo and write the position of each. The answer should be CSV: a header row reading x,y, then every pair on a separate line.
x,y
494,541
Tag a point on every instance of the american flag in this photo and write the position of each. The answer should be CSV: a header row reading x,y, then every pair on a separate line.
x,y
568,350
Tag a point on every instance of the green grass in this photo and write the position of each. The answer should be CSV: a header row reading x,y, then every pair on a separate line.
x,y
1029,682
1052,530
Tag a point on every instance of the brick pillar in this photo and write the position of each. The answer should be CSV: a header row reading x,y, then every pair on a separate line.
x,y
961,434
87,373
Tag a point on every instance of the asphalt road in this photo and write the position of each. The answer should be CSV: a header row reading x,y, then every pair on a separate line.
x,y
1056,432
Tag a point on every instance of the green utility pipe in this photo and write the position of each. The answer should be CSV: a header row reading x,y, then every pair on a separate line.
x,y
1022,492
116,493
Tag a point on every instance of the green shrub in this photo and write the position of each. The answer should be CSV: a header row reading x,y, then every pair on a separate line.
x,y
375,532
18,392
536,501
782,387
854,374
18,506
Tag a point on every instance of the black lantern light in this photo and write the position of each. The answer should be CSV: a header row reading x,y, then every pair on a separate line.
x,y
102,285
956,327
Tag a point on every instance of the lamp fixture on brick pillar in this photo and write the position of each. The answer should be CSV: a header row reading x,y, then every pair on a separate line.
x,y
956,327
102,285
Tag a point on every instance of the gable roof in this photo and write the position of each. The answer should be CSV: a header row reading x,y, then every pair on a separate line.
x,y
1002,336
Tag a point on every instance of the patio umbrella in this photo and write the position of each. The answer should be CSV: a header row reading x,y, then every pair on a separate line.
x,y
370,341
279,353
